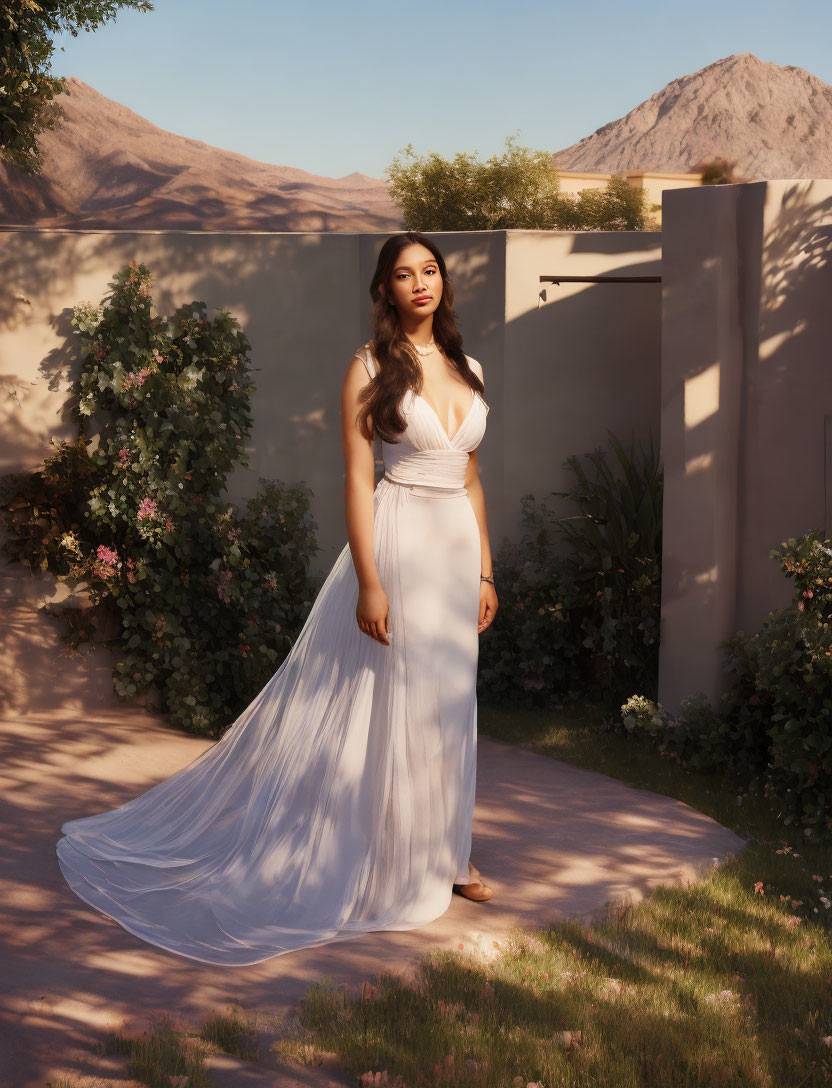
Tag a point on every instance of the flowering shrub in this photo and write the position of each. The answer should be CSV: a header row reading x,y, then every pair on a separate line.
x,y
783,685
774,723
209,599
696,737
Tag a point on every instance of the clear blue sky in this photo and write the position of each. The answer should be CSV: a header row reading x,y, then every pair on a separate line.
x,y
336,87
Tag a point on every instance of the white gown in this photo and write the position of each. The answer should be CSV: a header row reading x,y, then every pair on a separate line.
x,y
340,801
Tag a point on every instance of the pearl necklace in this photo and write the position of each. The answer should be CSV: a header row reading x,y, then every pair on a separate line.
x,y
426,350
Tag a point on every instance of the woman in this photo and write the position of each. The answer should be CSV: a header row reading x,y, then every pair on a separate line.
x,y
340,801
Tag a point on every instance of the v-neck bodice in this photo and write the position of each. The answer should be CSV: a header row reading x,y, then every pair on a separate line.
x,y
432,409
425,445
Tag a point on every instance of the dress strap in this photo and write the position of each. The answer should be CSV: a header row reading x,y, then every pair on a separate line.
x,y
366,358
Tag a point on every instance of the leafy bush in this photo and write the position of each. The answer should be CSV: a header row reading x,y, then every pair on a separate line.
x,y
518,190
696,738
530,652
792,654
774,724
209,600
613,567
587,619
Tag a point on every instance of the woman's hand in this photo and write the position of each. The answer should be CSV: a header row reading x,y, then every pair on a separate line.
x,y
372,613
488,605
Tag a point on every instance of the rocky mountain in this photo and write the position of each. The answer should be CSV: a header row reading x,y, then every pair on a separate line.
x,y
774,121
107,167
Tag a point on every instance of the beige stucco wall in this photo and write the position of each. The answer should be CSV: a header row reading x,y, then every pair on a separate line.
x,y
578,358
745,390
655,183
561,363
741,396
573,181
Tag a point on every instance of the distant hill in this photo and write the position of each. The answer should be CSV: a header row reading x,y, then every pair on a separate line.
x,y
776,122
107,167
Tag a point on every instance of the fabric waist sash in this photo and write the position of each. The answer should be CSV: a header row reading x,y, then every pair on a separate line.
x,y
441,469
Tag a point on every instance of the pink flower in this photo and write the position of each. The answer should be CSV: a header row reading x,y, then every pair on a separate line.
x,y
124,455
106,555
147,509
375,1080
169,525
136,377
223,578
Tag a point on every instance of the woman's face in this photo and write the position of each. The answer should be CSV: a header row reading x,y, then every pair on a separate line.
x,y
415,276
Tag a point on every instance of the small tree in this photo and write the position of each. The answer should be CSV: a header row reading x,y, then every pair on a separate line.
x,y
518,190
208,601
26,48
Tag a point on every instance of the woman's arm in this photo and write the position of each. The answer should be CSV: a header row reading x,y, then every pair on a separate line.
x,y
359,485
476,495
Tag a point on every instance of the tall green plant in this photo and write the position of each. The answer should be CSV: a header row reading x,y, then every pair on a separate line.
x,y
584,617
529,654
613,566
209,600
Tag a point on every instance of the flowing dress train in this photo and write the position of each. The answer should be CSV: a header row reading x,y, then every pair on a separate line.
x,y
340,801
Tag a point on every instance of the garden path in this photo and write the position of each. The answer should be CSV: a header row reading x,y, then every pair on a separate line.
x,y
553,841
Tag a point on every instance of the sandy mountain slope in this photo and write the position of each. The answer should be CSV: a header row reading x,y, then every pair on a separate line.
x,y
776,122
107,167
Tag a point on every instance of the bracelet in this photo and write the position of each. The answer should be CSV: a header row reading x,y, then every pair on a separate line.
x,y
483,578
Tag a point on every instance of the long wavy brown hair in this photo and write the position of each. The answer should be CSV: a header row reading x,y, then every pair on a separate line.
x,y
398,362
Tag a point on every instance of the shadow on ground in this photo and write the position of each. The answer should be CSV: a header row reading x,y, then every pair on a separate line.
x,y
552,841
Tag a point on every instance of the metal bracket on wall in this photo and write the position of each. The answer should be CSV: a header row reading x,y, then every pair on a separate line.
x,y
600,279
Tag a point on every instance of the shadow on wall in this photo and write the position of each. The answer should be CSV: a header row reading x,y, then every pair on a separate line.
x,y
302,300
251,275
746,328
557,374
580,360
788,387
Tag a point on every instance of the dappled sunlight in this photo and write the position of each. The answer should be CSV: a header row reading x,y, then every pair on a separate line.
x,y
552,841
745,334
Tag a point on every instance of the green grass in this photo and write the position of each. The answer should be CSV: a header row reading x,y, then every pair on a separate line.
x,y
163,1057
173,1054
725,982
233,1033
